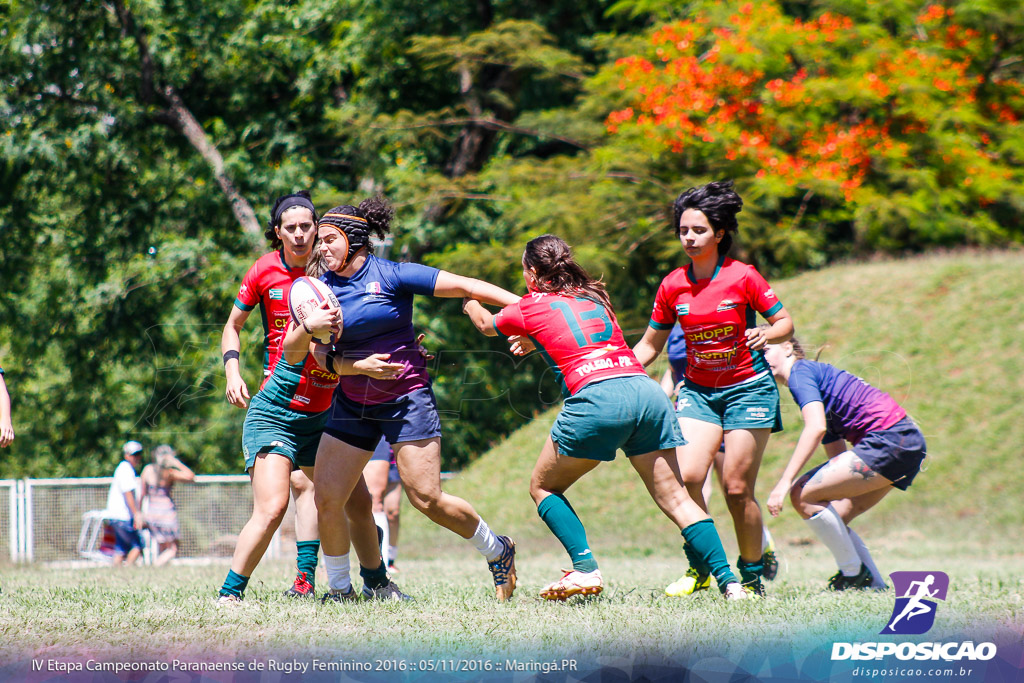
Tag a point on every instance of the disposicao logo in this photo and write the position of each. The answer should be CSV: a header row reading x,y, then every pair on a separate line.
x,y
914,614
916,595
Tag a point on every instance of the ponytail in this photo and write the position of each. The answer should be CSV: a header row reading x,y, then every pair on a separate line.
x,y
558,272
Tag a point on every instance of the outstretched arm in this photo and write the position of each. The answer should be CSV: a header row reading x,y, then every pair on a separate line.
x,y
450,286
648,348
482,319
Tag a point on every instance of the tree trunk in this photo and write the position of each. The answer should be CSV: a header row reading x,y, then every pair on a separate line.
x,y
181,119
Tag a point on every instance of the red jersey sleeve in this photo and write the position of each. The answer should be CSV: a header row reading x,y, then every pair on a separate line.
x,y
248,293
664,315
509,321
760,294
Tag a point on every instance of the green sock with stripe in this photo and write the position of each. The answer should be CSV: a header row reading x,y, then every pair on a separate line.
x,y
707,546
234,584
565,524
307,558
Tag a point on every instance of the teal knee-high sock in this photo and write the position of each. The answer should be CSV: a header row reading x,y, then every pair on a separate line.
x,y
694,557
307,558
234,584
568,529
704,539
750,572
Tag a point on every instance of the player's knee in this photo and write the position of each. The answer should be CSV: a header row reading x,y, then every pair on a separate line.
x,y
329,503
804,507
737,493
272,511
426,501
537,492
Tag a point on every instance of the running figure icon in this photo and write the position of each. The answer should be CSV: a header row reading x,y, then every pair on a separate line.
x,y
917,593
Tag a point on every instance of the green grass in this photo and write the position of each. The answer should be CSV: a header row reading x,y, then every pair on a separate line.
x,y
169,612
942,334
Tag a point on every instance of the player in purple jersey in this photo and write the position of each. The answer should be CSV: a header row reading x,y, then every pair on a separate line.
x,y
610,404
391,398
888,449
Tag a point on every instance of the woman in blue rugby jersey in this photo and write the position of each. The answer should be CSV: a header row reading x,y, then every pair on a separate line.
x,y
887,452
394,401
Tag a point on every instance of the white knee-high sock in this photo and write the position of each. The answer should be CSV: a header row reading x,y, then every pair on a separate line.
x,y
766,539
338,572
877,580
486,542
381,520
831,529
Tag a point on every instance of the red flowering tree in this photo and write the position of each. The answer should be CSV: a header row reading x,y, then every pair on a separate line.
x,y
905,136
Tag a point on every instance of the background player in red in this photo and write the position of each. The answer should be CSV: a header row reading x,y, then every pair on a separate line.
x,y
610,403
728,388
292,232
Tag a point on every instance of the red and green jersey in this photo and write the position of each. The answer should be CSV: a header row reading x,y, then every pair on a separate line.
x,y
304,387
579,337
266,285
714,315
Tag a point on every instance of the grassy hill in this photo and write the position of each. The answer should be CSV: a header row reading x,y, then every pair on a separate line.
x,y
942,334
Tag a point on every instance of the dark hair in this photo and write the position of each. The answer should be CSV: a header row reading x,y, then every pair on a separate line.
x,y
719,202
557,271
357,222
301,198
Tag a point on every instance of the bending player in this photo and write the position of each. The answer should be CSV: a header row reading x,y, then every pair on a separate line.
x,y
610,403
887,453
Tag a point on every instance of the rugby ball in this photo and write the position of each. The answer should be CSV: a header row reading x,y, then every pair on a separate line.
x,y
307,294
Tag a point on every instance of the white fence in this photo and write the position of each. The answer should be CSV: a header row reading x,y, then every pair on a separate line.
x,y
57,520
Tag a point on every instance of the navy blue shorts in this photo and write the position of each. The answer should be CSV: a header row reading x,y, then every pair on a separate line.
x,y
126,536
411,418
383,454
895,453
382,451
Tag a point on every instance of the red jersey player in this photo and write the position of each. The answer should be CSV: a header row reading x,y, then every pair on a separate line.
x,y
610,403
728,388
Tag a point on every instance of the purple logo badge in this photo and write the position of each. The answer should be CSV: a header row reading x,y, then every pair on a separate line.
x,y
916,595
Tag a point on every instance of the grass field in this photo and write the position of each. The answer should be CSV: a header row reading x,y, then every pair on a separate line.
x,y
942,334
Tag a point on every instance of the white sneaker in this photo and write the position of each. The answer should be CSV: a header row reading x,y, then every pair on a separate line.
x,y
229,601
574,583
734,591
